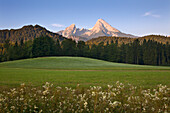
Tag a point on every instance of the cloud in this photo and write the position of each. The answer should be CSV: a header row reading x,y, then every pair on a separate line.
x,y
151,15
57,25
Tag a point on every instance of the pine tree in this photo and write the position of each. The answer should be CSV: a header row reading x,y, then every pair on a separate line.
x,y
58,50
43,46
69,47
80,48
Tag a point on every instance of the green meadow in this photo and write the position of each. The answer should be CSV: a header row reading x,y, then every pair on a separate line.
x,y
70,71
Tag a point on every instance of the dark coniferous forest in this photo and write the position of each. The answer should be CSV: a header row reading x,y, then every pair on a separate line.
x,y
146,53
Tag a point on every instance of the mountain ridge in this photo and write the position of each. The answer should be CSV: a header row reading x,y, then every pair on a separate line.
x,y
26,33
101,28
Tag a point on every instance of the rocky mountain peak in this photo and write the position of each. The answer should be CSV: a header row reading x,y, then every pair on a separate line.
x,y
104,26
71,27
101,28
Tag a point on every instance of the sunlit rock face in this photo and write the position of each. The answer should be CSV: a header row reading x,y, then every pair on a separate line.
x,y
101,28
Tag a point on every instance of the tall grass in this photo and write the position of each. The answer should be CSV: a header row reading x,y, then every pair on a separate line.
x,y
114,98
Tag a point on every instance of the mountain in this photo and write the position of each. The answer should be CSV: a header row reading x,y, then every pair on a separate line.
x,y
27,33
101,28
73,33
125,40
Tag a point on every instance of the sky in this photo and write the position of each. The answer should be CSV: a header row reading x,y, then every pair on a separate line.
x,y
137,17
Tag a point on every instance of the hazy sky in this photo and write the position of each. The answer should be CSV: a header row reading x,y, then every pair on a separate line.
x,y
137,17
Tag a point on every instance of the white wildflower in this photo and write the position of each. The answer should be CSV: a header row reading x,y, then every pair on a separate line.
x,y
41,111
109,86
104,97
12,107
85,104
78,85
153,109
35,107
93,93
116,103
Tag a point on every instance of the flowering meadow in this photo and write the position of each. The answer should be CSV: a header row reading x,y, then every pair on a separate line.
x,y
115,98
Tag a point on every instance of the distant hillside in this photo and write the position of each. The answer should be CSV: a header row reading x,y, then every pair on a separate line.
x,y
125,40
27,33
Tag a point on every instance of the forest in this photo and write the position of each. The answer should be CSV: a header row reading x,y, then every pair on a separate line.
x,y
148,52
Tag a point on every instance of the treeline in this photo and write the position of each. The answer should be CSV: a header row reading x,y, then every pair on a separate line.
x,y
149,52
126,40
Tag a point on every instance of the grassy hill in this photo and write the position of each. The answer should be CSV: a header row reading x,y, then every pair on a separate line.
x,y
72,63
69,71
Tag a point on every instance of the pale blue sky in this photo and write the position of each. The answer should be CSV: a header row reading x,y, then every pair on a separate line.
x,y
137,17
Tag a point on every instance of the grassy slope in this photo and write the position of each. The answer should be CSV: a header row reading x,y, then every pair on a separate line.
x,y
68,71
72,63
